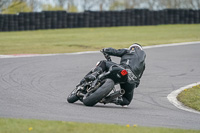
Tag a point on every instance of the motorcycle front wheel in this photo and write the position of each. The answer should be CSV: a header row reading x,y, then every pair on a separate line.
x,y
72,97
100,93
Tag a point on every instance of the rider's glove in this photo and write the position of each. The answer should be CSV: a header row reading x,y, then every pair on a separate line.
x,y
108,57
105,54
103,50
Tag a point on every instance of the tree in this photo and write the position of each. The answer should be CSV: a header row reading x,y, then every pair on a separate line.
x,y
71,7
151,4
130,4
17,6
101,3
127,4
4,4
194,4
175,4
34,4
88,4
61,3
49,7
117,5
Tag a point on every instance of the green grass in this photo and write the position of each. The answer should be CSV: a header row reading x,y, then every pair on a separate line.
x,y
87,39
41,126
191,97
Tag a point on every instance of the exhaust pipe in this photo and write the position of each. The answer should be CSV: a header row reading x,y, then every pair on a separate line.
x,y
122,91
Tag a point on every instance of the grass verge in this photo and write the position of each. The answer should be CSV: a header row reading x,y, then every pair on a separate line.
x,y
88,39
41,126
191,97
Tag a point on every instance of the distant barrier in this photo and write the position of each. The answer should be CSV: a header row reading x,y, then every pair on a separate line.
x,y
129,17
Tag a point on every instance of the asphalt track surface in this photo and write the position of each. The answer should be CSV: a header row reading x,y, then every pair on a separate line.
x,y
37,87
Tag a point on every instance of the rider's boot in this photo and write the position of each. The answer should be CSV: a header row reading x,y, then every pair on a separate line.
x,y
117,101
95,73
120,101
92,75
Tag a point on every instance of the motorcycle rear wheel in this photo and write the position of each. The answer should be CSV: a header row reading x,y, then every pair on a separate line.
x,y
100,93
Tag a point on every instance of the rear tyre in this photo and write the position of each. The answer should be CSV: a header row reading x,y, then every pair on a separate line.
x,y
72,97
100,93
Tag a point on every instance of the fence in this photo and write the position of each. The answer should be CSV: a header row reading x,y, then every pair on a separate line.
x,y
129,17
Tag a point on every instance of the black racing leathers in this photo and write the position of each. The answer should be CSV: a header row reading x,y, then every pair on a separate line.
x,y
130,59
135,60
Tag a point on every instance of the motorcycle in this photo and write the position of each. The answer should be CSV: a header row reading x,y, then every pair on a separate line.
x,y
102,89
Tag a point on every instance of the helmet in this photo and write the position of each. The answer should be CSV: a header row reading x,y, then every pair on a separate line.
x,y
135,45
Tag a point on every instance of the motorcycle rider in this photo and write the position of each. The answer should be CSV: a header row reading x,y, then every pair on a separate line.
x,y
132,59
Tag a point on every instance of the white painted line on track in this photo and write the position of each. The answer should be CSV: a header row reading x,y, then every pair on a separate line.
x,y
172,97
172,44
36,55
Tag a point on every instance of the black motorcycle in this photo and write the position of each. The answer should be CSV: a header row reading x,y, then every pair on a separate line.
x,y
102,89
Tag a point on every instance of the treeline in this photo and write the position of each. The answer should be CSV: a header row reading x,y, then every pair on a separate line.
x,y
63,19
16,6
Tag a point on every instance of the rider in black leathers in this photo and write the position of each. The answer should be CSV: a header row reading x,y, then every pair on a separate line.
x,y
131,59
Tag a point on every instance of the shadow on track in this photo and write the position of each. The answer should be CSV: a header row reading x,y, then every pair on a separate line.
x,y
108,106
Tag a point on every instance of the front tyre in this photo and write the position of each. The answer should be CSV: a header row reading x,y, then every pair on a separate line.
x,y
100,93
72,97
